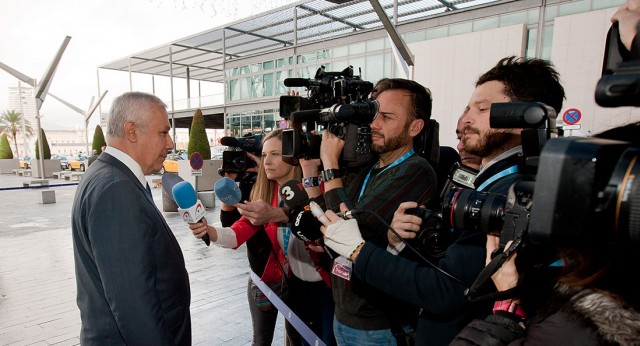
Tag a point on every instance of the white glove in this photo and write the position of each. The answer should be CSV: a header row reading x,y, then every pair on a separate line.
x,y
343,237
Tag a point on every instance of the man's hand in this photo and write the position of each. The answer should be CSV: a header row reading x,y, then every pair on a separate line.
x,y
506,276
330,149
260,212
406,225
343,236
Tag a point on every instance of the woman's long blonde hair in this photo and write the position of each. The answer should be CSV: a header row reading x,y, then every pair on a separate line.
x,y
264,188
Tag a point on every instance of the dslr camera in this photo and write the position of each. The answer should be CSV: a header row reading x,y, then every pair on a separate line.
x,y
235,159
337,102
464,208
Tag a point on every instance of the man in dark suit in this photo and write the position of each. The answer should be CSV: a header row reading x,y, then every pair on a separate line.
x,y
133,287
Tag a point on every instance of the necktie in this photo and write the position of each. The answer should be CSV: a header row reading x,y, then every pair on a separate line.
x,y
149,191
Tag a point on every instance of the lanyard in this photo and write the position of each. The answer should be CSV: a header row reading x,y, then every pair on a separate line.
x,y
286,230
393,164
504,173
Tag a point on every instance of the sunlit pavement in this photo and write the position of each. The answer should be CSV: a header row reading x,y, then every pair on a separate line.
x,y
37,278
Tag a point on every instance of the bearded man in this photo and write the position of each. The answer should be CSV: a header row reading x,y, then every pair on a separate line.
x,y
511,80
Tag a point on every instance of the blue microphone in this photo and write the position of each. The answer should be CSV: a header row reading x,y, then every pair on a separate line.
x,y
189,206
227,191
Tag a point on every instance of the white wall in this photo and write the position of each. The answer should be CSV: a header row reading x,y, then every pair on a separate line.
x,y
577,51
449,67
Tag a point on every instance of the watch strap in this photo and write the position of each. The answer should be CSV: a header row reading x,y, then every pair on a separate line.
x,y
329,174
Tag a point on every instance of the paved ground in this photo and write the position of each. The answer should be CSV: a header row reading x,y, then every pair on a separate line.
x,y
37,279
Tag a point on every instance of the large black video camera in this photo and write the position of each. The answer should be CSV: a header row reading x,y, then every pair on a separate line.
x,y
235,159
338,101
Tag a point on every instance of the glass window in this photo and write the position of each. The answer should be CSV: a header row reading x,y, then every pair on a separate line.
x,y
256,123
281,62
437,32
245,124
244,70
550,13
267,84
375,45
255,67
268,65
357,63
546,42
245,88
341,51
574,7
457,29
485,24
290,60
513,18
602,4
357,48
532,16
256,86
234,90
532,35
388,59
323,54
414,36
269,122
280,88
372,71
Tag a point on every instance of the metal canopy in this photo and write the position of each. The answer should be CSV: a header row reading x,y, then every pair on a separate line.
x,y
317,20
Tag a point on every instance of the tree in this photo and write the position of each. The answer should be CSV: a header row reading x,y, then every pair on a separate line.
x,y
45,147
5,148
98,140
198,141
11,125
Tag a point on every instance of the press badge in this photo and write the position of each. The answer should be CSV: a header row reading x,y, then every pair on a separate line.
x,y
342,268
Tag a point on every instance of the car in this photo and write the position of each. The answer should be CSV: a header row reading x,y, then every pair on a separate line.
x,y
64,161
78,163
170,164
25,162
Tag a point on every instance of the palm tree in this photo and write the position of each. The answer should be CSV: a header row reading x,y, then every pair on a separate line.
x,y
11,125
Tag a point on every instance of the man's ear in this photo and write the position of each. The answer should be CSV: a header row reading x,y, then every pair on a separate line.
x,y
416,126
131,131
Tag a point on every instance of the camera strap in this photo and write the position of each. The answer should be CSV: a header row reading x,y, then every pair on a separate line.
x,y
485,275
393,164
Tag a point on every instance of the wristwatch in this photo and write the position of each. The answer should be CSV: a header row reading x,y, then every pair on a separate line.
x,y
329,174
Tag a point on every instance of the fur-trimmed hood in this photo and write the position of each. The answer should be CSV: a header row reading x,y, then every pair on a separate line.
x,y
614,323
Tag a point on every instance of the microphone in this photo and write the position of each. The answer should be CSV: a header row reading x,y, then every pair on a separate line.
x,y
189,206
229,141
304,225
227,191
296,82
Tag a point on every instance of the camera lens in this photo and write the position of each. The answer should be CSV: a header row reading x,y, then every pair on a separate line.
x,y
473,210
626,177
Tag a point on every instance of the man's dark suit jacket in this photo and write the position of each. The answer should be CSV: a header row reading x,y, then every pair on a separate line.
x,y
133,287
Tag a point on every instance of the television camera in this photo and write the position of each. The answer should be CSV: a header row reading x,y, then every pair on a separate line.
x,y
235,159
338,102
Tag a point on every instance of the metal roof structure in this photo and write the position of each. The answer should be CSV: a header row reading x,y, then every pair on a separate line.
x,y
295,24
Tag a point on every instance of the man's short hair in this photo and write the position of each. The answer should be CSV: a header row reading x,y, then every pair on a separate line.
x,y
130,106
527,80
421,101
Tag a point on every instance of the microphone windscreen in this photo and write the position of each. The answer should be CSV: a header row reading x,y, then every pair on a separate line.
x,y
229,141
293,194
305,226
184,195
296,82
227,191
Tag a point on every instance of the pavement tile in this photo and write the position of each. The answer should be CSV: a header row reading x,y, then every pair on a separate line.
x,y
37,276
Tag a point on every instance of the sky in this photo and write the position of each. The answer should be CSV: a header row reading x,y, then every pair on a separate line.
x,y
32,31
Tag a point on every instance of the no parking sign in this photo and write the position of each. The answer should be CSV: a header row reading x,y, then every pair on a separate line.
x,y
571,116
